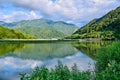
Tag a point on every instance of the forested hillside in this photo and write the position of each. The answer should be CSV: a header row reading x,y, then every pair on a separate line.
x,y
42,33
106,27
6,33
43,28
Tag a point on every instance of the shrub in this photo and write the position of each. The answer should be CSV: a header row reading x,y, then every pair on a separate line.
x,y
60,72
108,63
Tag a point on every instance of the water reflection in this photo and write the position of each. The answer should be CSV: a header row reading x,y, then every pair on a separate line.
x,y
16,58
90,48
12,66
44,51
8,47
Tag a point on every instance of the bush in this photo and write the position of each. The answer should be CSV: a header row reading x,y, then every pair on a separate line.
x,y
60,72
108,63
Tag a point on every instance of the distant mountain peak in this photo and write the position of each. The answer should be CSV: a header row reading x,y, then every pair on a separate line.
x,y
44,28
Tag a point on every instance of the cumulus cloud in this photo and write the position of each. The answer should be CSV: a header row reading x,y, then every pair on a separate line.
x,y
19,15
75,11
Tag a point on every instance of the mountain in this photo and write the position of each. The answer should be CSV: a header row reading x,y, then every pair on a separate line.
x,y
42,33
1,22
6,33
44,28
106,27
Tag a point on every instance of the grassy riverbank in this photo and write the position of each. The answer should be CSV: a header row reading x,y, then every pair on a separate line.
x,y
107,68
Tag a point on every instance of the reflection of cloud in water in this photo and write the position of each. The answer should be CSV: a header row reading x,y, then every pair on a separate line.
x,y
83,62
13,66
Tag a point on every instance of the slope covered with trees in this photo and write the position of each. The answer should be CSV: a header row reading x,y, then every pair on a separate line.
x,y
45,33
6,33
106,27
43,28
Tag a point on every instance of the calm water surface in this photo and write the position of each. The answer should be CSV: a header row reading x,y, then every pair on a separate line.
x,y
18,58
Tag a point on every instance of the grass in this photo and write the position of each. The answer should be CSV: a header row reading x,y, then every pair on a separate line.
x,y
108,62
107,68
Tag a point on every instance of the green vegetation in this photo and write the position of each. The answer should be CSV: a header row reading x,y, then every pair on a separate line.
x,y
43,33
108,63
60,72
107,68
6,33
106,27
43,28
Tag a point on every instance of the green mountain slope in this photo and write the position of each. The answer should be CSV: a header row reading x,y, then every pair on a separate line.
x,y
106,27
43,28
46,33
6,33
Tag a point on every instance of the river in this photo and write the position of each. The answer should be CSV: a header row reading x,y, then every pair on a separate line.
x,y
16,58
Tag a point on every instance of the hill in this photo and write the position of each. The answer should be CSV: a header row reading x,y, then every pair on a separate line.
x,y
106,27
6,33
43,28
43,33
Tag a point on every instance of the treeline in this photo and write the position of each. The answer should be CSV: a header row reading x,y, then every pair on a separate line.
x,y
6,33
106,27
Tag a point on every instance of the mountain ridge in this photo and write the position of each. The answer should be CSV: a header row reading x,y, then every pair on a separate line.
x,y
43,28
2,23
106,27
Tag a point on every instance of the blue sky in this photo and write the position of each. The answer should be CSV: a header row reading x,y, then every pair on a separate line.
x,y
78,12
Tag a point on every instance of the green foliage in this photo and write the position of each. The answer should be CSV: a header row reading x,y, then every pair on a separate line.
x,y
108,63
109,53
6,33
43,28
61,72
111,72
46,33
106,27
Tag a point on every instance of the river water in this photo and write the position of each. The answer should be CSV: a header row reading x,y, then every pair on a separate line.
x,y
16,58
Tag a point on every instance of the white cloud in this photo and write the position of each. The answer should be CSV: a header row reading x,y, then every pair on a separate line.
x,y
7,18
67,10
19,15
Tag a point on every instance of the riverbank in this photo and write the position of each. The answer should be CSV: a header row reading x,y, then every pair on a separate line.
x,y
36,40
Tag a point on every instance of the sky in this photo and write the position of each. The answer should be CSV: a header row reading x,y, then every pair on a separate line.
x,y
77,12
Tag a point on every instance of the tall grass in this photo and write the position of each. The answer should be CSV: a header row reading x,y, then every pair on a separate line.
x,y
108,62
107,68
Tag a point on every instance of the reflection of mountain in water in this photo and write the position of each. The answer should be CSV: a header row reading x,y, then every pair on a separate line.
x,y
43,51
90,48
7,48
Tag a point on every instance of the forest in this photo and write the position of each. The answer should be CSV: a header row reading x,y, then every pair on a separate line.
x,y
106,27
6,33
